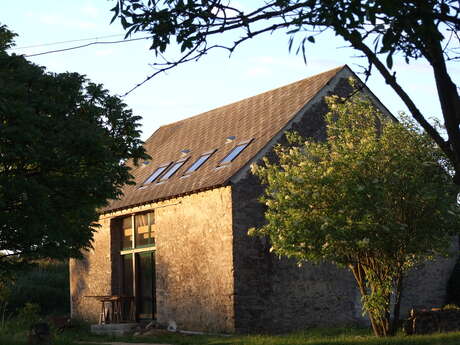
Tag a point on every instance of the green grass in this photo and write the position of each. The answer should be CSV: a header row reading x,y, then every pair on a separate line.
x,y
317,336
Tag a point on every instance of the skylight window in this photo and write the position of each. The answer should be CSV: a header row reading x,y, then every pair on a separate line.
x,y
176,166
199,162
155,174
234,153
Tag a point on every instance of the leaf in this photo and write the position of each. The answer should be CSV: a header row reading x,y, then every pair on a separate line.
x,y
291,41
124,22
116,10
389,61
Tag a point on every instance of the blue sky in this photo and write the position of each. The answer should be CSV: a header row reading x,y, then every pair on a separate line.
x,y
259,65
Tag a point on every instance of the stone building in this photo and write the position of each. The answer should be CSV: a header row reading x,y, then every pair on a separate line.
x,y
177,240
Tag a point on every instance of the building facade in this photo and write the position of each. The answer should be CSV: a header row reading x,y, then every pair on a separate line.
x,y
177,240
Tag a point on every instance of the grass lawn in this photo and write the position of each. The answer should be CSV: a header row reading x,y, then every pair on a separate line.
x,y
316,336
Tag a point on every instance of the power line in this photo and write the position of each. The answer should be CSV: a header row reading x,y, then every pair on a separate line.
x,y
62,42
86,45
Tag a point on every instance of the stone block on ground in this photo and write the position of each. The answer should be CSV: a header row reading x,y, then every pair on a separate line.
x,y
426,321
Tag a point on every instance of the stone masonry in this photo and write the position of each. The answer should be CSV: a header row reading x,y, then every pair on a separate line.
x,y
194,263
273,294
211,276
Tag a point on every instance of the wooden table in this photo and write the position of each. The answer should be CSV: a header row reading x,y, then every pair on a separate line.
x,y
113,308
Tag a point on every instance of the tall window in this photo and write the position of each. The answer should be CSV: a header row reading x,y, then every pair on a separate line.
x,y
138,261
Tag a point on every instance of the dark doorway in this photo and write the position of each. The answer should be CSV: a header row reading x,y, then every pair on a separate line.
x,y
145,287
139,281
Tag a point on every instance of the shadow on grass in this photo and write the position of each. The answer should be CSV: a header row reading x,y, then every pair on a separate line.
x,y
317,336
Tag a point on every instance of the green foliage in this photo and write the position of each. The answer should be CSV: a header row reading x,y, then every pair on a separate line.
x,y
45,284
5,292
6,38
27,316
374,198
192,23
451,307
63,142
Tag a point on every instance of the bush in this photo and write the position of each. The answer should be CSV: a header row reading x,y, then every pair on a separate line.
x,y
46,284
27,316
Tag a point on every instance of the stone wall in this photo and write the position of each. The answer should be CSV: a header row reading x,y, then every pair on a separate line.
x,y
276,295
432,321
194,262
92,276
426,285
273,294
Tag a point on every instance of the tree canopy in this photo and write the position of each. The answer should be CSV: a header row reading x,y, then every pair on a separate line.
x,y
379,29
63,144
375,198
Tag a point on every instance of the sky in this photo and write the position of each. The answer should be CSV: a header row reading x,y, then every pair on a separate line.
x,y
215,80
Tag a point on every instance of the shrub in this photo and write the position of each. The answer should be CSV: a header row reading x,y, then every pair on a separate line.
x,y
46,285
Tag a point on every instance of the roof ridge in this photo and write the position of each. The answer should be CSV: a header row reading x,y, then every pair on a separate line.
x,y
256,95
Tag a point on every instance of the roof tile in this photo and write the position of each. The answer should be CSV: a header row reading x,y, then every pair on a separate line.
x,y
259,118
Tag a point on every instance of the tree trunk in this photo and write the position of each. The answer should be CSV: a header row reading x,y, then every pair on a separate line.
x,y
447,91
397,307
380,325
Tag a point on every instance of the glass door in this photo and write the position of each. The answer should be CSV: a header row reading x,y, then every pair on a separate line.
x,y
145,294
138,263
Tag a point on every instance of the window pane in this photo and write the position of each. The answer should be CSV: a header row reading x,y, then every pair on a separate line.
x,y
145,289
144,233
127,233
171,171
235,152
199,162
155,174
128,274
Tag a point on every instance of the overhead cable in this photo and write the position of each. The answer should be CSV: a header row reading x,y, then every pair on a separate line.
x,y
69,41
85,45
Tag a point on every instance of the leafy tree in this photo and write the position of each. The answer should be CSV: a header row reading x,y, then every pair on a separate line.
x,y
63,141
378,29
374,198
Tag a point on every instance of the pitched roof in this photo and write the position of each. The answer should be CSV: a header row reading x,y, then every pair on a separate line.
x,y
258,118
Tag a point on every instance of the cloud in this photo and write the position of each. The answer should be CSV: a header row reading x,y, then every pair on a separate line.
x,y
65,22
258,71
90,11
50,19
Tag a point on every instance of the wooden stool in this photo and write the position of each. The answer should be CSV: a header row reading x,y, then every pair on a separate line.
x,y
104,315
117,310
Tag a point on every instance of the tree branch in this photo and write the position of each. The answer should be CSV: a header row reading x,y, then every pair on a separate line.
x,y
391,80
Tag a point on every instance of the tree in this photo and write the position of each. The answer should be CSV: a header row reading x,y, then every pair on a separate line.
x,y
410,28
375,198
63,141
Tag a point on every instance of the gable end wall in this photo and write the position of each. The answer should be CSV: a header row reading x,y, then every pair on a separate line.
x,y
275,295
